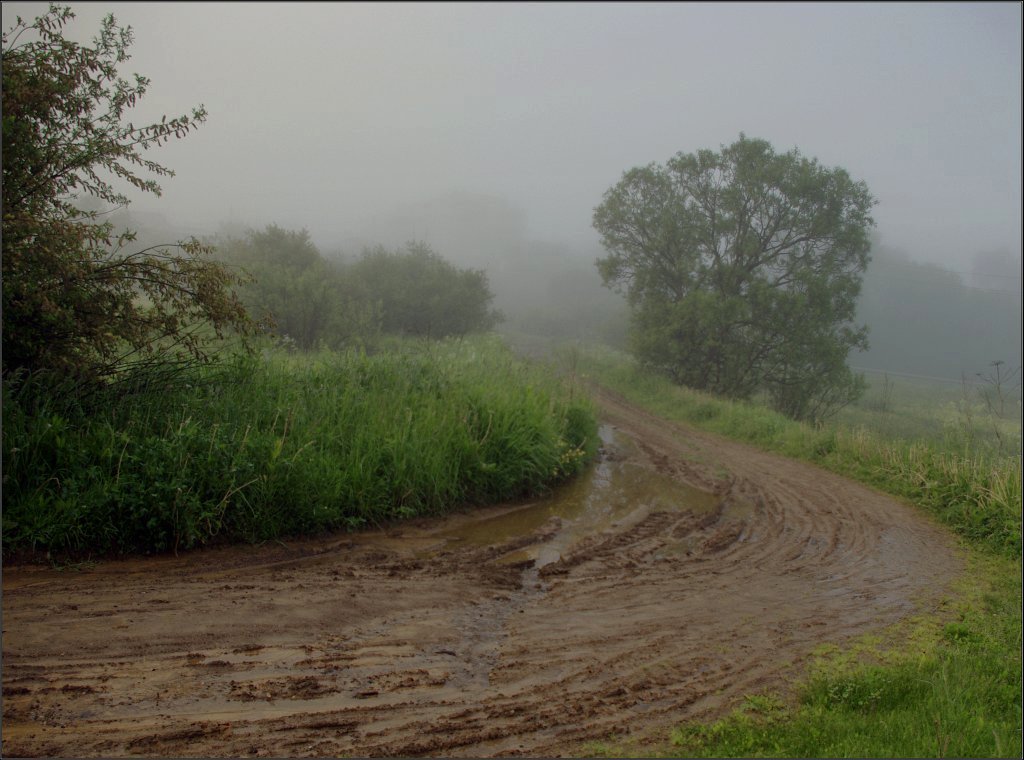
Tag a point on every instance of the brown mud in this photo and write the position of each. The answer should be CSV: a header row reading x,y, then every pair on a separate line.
x,y
683,572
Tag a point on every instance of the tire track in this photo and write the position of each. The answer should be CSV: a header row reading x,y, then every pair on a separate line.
x,y
412,643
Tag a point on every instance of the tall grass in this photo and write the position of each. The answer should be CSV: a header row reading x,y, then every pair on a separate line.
x,y
966,417
280,445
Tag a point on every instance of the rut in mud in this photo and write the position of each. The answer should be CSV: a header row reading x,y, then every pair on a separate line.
x,y
709,570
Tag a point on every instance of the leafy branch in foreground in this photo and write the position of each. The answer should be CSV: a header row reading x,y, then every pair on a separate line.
x,y
74,303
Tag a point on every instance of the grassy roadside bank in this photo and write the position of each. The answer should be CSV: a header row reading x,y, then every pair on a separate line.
x,y
946,684
283,444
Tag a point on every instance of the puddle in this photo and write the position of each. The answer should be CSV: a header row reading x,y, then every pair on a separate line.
x,y
613,492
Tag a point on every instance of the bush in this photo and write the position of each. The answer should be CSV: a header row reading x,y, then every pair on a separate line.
x,y
283,445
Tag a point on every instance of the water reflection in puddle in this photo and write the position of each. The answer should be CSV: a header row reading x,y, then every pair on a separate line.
x,y
613,492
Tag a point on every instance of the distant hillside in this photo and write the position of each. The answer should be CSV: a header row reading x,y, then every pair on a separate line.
x,y
929,321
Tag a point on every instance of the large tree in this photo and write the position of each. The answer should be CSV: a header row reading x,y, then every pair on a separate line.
x,y
742,269
77,299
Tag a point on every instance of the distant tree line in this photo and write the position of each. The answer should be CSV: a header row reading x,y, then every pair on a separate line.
x,y
85,302
927,320
311,301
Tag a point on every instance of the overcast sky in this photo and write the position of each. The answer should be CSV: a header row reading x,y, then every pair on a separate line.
x,y
322,115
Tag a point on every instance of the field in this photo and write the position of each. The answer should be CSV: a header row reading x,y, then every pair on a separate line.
x,y
277,445
975,416
680,574
689,595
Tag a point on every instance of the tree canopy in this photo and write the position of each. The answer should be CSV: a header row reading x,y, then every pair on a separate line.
x,y
313,301
76,299
305,299
424,295
742,269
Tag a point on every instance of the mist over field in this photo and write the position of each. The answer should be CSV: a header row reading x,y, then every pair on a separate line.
x,y
492,131
541,379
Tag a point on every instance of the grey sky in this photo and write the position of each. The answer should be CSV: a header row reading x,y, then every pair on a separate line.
x,y
322,115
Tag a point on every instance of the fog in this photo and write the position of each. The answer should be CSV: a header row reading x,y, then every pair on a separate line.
x,y
491,131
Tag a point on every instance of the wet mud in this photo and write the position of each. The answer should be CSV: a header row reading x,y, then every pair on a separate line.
x,y
682,572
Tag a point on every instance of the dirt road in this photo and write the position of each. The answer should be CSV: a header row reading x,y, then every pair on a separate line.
x,y
564,628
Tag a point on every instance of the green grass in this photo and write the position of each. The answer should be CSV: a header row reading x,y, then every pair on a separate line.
x,y
975,417
286,444
954,692
946,684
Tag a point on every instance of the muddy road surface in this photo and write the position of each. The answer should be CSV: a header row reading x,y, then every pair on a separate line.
x,y
682,572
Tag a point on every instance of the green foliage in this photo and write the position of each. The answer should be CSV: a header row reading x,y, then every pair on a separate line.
x,y
958,695
74,303
312,302
743,269
279,445
309,301
423,295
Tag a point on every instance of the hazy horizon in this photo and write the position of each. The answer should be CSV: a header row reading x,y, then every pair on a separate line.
x,y
344,118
